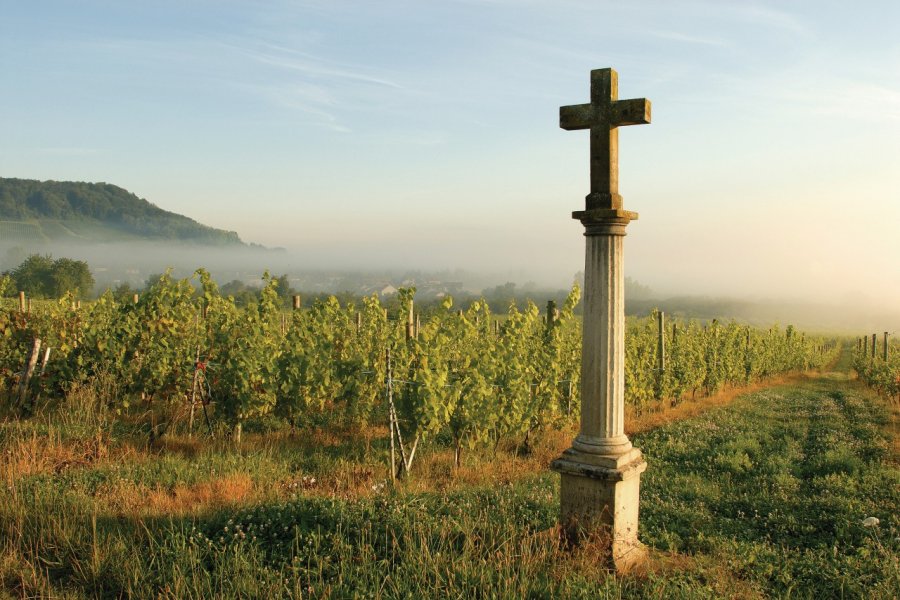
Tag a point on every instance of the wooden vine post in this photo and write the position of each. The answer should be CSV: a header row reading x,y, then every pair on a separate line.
x,y
194,385
389,393
410,322
45,360
661,353
600,473
28,371
661,343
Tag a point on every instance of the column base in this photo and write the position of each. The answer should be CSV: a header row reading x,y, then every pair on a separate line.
x,y
599,504
591,446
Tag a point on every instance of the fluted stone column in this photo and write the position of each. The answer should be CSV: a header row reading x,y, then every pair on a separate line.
x,y
603,370
600,473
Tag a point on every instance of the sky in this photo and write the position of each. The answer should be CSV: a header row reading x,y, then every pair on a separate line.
x,y
424,134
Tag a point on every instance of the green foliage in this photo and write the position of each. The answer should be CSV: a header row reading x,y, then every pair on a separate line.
x,y
242,294
33,276
247,345
69,275
39,276
881,374
164,344
315,353
25,199
706,358
468,375
471,411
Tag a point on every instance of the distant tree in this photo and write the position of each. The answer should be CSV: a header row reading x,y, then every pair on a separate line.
x,y
507,290
67,275
240,291
33,276
501,296
124,292
40,276
48,203
284,290
8,205
233,287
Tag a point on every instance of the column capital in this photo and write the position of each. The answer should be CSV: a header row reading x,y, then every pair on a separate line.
x,y
605,221
596,215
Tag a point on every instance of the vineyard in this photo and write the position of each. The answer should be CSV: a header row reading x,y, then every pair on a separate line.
x,y
740,501
881,370
182,356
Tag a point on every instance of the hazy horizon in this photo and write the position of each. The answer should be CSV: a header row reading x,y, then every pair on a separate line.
x,y
850,316
405,136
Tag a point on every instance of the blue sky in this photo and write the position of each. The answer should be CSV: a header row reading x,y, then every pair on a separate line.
x,y
425,134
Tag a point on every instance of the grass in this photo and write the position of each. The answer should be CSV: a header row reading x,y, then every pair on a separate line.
x,y
763,495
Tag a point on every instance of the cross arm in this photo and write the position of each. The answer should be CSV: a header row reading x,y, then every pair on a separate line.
x,y
576,116
622,112
630,112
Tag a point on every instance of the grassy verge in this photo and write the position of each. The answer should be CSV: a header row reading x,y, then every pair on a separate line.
x,y
763,497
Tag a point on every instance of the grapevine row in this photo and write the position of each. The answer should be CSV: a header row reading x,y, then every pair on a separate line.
x,y
879,369
468,374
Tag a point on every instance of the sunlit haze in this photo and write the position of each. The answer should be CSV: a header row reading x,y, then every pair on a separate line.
x,y
425,134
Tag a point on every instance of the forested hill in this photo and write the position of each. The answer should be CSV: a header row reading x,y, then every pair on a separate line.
x,y
94,212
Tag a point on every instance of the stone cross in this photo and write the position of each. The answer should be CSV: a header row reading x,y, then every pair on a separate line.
x,y
603,116
600,473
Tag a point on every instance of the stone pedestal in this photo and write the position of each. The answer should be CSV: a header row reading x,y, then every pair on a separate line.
x,y
600,502
601,471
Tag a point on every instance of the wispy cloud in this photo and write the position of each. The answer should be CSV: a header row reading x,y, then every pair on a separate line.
x,y
328,90
314,66
311,100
